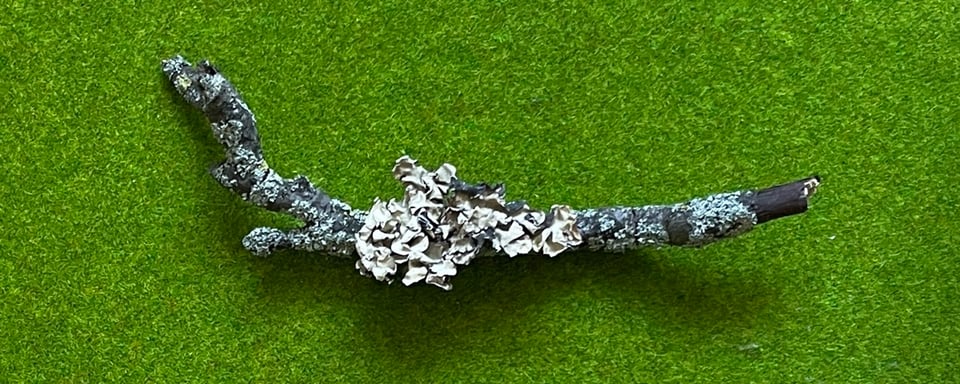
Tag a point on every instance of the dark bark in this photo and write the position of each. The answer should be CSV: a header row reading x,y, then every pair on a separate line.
x,y
782,200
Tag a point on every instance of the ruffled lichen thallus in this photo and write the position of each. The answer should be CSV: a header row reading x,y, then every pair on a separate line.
x,y
442,223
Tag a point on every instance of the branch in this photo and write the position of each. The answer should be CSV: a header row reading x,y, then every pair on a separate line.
x,y
329,223
697,222
443,222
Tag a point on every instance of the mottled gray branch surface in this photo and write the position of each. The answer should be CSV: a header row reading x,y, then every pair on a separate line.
x,y
697,222
443,222
329,224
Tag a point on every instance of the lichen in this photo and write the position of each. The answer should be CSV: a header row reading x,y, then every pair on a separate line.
x,y
439,224
620,229
716,216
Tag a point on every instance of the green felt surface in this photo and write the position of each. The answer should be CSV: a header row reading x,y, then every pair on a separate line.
x,y
120,258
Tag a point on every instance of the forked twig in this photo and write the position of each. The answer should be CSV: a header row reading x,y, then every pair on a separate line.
x,y
443,222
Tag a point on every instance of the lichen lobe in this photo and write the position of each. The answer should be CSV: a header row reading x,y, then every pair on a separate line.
x,y
442,223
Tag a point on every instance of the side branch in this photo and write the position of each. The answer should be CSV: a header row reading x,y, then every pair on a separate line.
x,y
329,223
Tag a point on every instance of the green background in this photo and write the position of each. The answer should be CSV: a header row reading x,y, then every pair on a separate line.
x,y
120,257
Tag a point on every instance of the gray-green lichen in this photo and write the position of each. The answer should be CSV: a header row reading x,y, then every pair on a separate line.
x,y
714,217
697,222
329,224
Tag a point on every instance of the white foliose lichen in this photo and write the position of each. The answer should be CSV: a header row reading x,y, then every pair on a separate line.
x,y
436,227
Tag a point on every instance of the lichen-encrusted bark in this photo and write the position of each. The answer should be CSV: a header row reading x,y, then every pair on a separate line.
x,y
329,224
443,221
697,222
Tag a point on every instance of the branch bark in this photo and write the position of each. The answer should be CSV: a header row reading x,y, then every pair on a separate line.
x,y
329,224
697,222
436,199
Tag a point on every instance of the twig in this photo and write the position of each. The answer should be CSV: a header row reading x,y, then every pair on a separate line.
x,y
443,222
329,224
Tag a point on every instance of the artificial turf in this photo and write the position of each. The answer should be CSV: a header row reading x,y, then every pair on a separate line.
x,y
120,257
